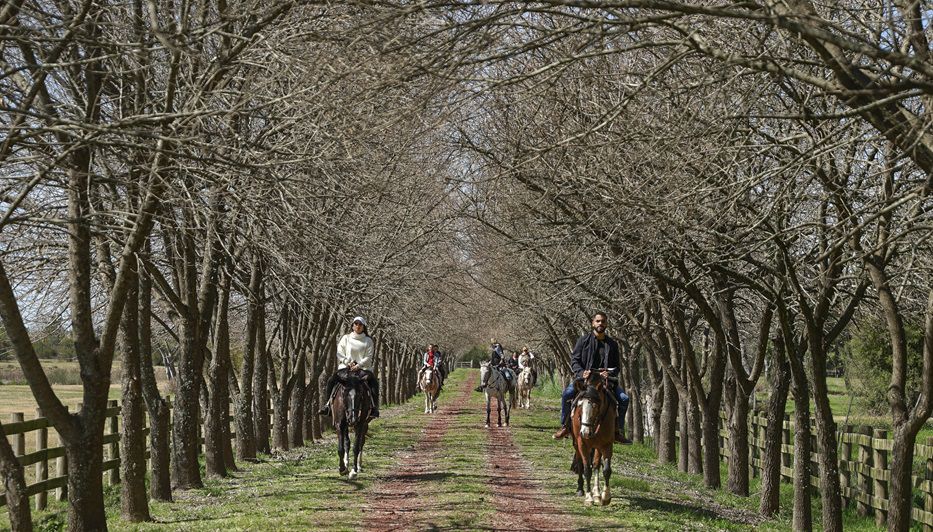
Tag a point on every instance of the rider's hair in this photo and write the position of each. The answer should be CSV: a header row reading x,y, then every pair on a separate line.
x,y
599,313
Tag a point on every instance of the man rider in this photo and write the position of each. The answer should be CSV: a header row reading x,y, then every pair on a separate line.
x,y
495,359
595,351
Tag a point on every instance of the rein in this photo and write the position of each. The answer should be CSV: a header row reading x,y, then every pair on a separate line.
x,y
603,411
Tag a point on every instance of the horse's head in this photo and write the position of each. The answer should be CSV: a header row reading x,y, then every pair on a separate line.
x,y
484,370
593,404
428,376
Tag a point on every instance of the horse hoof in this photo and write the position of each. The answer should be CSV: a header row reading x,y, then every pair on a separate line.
x,y
588,501
579,493
344,472
353,475
487,425
605,501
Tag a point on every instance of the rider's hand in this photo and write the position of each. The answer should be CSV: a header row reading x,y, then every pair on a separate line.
x,y
604,373
586,374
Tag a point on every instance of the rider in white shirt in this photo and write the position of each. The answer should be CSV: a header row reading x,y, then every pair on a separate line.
x,y
354,353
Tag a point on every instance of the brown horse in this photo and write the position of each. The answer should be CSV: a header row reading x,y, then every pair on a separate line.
x,y
350,411
593,426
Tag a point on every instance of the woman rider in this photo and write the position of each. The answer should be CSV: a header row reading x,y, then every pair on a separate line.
x,y
354,353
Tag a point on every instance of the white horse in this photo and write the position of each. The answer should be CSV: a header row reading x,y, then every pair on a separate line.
x,y
430,384
496,385
525,384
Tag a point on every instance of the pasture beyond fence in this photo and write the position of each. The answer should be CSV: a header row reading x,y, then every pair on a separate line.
x,y
863,466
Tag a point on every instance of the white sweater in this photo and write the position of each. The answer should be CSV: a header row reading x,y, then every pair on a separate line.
x,y
355,347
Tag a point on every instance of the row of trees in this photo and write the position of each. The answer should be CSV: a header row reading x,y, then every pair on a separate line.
x,y
216,179
739,185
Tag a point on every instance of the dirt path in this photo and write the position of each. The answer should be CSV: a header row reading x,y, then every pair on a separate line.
x,y
400,500
521,503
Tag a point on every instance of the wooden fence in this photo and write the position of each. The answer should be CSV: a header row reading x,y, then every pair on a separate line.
x,y
42,456
863,466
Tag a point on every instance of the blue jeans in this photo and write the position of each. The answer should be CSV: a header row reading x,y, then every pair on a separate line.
x,y
569,393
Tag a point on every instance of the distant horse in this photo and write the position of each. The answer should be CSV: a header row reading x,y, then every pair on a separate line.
x,y
430,384
350,410
525,384
496,385
593,426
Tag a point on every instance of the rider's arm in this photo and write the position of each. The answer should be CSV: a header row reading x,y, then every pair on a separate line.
x,y
367,360
343,357
614,359
576,357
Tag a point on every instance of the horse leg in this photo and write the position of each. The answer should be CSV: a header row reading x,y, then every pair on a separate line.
x,y
341,448
488,399
607,472
597,488
508,410
588,474
499,411
357,451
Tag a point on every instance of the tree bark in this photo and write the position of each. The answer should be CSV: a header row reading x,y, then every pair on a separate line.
x,y
14,485
261,387
134,505
160,482
667,452
245,431
771,454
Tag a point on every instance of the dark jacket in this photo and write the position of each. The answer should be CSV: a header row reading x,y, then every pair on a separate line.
x,y
585,357
496,358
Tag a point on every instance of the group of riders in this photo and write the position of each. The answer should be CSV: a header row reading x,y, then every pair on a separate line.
x,y
595,352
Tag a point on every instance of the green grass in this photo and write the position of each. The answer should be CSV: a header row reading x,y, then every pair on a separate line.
x,y
301,489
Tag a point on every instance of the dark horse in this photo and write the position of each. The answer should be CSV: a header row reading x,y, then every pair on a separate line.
x,y
593,425
350,410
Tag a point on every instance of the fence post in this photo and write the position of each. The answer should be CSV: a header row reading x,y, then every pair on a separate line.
x,y
845,464
864,471
42,466
19,440
61,470
880,486
928,496
114,446
786,457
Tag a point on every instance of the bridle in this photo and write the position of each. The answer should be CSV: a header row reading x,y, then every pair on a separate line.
x,y
601,415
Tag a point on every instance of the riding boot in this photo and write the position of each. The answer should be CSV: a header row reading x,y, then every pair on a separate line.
x,y
331,382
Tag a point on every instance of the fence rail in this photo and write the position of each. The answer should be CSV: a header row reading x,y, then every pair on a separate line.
x,y
863,466
42,455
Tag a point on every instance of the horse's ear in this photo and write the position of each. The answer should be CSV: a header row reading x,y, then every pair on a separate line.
x,y
578,385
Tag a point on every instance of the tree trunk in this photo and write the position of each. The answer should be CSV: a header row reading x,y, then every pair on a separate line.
x,y
738,444
711,478
14,485
134,505
261,388
160,482
297,405
683,448
694,434
826,435
281,402
667,452
771,454
85,471
219,393
185,444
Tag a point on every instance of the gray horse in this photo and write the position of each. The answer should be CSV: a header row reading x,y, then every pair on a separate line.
x,y
497,385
